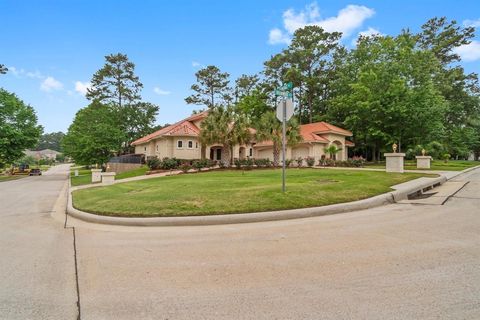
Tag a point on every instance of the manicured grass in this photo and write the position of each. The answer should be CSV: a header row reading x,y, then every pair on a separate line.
x,y
132,173
235,191
452,165
85,175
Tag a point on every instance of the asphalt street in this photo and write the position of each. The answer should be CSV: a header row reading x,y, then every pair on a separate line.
x,y
401,261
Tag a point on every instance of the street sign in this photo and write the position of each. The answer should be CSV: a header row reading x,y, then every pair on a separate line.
x,y
284,113
285,90
288,110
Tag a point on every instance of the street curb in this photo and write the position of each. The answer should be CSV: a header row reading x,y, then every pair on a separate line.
x,y
376,201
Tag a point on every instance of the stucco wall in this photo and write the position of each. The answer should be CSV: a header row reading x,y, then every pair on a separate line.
x,y
300,151
185,152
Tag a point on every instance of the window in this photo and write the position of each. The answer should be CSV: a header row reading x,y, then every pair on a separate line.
x,y
196,145
145,149
190,144
179,144
250,152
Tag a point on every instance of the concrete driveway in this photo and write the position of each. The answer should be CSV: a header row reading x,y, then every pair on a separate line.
x,y
401,261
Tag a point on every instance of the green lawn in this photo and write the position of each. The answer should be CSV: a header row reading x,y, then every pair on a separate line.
x,y
452,165
233,191
85,175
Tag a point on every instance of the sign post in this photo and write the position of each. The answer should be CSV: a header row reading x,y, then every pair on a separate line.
x,y
284,113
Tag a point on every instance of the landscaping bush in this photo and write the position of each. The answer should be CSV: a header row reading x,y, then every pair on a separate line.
x,y
238,163
185,167
248,163
446,157
310,161
299,162
153,163
263,162
169,164
199,164
358,162
288,162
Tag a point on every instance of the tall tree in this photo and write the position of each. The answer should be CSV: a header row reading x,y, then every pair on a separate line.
x,y
19,129
460,90
211,88
3,69
253,105
391,96
270,129
310,53
116,82
224,126
94,136
50,141
244,86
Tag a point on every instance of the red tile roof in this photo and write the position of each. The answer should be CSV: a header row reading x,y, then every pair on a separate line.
x,y
182,128
313,132
325,127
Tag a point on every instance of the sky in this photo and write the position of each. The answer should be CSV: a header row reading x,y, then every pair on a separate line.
x,y
53,48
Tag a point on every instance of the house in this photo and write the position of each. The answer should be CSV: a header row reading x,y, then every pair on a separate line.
x,y
46,154
181,140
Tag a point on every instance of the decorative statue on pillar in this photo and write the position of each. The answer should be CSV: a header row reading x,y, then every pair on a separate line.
x,y
423,152
394,147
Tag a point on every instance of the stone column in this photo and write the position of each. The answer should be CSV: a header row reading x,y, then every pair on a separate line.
x,y
96,175
108,178
423,162
394,162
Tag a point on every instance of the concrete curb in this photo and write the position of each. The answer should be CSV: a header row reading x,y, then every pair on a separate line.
x,y
376,201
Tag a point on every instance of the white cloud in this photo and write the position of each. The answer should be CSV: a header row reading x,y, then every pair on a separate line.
x,y
50,83
367,33
34,75
370,32
471,23
161,92
17,73
81,87
469,52
276,36
348,19
196,64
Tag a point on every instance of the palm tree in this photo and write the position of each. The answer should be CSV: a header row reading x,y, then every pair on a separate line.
x,y
270,129
332,150
225,127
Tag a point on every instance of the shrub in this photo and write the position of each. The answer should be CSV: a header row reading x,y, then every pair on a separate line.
x,y
262,162
435,149
198,164
358,162
288,162
153,163
310,161
169,163
446,157
330,163
248,163
299,161
238,163
185,167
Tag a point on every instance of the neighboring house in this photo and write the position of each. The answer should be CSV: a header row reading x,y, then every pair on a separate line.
x,y
181,140
46,154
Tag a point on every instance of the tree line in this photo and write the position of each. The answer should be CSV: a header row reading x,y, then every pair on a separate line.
x,y
408,89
